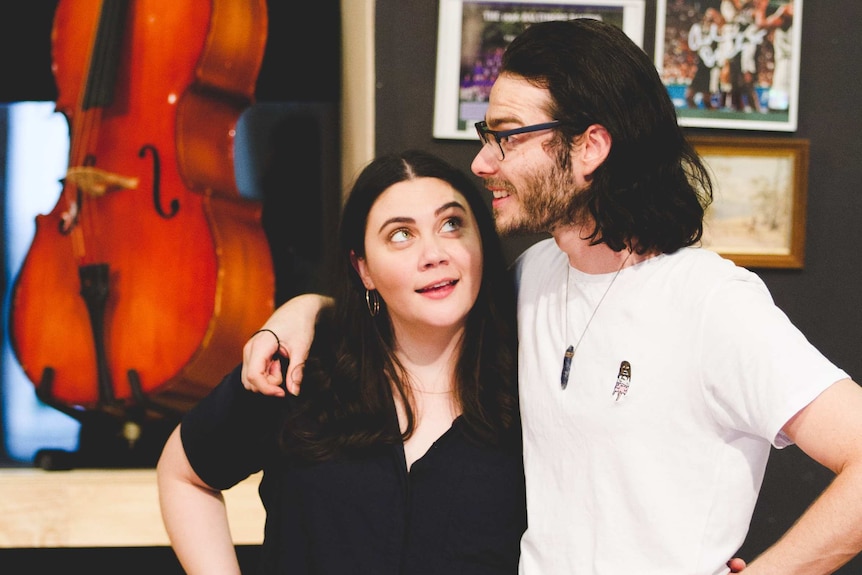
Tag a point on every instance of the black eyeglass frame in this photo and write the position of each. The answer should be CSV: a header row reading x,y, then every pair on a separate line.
x,y
483,131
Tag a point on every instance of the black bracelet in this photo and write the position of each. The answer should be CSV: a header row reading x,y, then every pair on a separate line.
x,y
278,341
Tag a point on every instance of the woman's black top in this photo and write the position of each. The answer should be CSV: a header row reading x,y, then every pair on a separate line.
x,y
460,509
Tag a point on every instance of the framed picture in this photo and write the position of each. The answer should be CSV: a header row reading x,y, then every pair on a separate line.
x,y
757,218
471,38
731,63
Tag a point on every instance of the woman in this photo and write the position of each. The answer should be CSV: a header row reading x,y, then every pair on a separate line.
x,y
402,452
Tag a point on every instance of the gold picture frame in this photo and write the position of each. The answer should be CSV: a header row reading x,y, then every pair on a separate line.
x,y
757,218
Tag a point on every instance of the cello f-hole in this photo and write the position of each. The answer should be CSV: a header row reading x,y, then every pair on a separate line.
x,y
157,172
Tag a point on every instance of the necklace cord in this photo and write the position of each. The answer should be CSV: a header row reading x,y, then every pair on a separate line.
x,y
571,349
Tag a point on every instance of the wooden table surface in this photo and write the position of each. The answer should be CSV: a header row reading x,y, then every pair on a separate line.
x,y
103,508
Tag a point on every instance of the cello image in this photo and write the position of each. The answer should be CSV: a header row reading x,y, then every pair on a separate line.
x,y
142,284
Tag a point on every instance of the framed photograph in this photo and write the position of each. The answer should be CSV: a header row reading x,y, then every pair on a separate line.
x,y
757,218
471,38
731,63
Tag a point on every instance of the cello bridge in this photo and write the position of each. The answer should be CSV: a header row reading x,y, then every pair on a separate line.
x,y
95,182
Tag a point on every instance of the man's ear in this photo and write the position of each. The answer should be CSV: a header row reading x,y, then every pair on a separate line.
x,y
361,268
596,148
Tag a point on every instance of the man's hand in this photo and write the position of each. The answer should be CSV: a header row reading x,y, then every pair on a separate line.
x,y
285,337
261,363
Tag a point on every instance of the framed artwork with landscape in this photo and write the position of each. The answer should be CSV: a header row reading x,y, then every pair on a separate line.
x,y
471,38
731,63
757,217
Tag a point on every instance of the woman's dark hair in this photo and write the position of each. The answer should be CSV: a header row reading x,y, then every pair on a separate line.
x,y
347,400
651,192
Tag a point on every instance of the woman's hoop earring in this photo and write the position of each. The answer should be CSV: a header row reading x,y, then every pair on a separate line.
x,y
372,300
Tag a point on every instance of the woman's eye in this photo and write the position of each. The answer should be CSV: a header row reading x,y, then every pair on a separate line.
x,y
399,236
452,225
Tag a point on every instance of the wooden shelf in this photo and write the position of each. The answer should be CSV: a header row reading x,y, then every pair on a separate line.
x,y
104,508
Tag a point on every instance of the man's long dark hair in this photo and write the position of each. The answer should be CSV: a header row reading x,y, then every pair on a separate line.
x,y
651,192
347,398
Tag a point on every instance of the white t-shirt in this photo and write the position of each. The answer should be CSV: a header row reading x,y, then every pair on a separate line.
x,y
659,474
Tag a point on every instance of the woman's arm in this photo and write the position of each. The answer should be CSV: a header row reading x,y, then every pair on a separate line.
x,y
287,333
194,515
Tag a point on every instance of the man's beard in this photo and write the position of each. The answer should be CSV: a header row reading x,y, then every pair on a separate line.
x,y
548,199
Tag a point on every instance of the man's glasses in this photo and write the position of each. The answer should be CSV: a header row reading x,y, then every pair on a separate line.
x,y
490,137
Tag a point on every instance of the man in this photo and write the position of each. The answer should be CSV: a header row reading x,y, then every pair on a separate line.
x,y
654,376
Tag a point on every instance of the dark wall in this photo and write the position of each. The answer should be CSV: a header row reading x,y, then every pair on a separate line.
x,y
822,298
301,61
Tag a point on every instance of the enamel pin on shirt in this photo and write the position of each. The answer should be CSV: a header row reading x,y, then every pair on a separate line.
x,y
624,378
